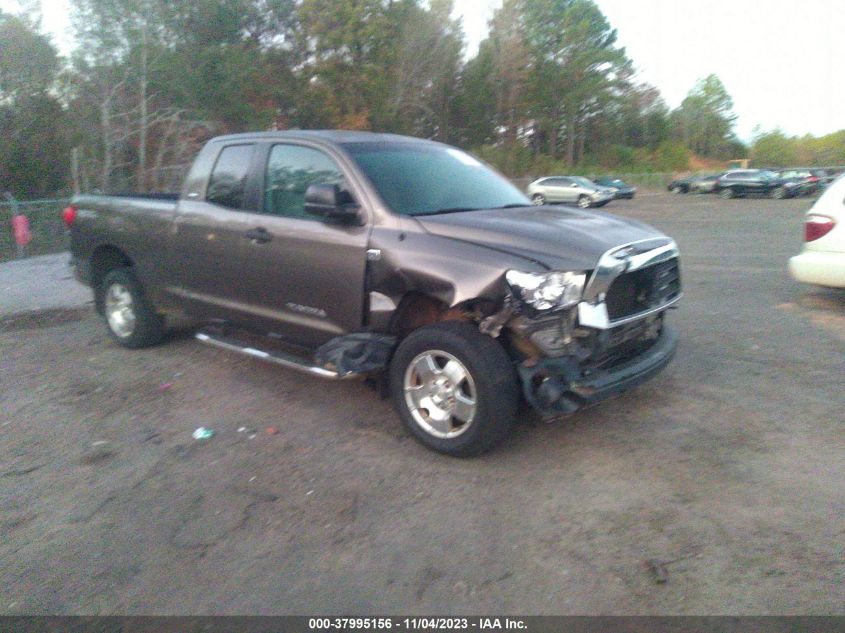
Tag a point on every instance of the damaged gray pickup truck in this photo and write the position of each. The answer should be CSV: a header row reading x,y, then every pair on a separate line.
x,y
353,254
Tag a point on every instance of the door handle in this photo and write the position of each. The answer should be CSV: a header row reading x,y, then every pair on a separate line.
x,y
259,235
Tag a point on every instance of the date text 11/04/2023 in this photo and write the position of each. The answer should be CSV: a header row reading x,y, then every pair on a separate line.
x,y
433,624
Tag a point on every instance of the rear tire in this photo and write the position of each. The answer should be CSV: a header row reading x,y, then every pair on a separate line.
x,y
778,193
130,319
455,389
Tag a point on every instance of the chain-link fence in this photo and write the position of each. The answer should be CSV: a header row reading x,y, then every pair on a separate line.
x,y
49,234
45,225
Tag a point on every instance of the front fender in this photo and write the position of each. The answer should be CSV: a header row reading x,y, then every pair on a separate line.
x,y
449,270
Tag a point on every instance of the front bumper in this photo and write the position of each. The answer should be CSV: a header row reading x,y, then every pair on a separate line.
x,y
625,194
598,198
560,385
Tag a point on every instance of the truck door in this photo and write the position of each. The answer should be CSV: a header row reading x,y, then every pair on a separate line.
x,y
203,254
300,276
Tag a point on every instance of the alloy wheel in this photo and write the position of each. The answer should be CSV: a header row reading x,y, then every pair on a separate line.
x,y
440,394
120,312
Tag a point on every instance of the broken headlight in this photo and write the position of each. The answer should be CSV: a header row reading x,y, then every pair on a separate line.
x,y
547,291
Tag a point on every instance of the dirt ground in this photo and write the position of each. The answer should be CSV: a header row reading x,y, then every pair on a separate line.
x,y
717,488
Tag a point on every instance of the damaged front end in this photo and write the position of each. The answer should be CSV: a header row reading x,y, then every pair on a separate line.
x,y
580,338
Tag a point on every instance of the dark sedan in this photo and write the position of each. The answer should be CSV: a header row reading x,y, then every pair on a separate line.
x,y
681,185
740,183
623,189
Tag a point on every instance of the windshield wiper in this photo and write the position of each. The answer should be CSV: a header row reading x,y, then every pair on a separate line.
x,y
462,209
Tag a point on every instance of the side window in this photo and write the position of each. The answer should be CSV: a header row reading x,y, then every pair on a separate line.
x,y
562,182
291,169
228,178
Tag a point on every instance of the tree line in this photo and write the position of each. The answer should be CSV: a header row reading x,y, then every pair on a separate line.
x,y
148,81
776,149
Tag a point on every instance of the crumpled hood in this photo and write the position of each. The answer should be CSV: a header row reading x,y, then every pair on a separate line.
x,y
561,238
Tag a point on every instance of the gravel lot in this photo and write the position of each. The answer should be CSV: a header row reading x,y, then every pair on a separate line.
x,y
727,469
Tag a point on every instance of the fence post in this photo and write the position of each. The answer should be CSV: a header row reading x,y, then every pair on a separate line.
x,y
74,169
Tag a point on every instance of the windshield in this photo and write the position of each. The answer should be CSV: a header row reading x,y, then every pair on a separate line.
x,y
584,182
421,179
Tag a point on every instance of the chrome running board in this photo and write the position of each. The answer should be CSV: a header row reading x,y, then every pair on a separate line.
x,y
279,358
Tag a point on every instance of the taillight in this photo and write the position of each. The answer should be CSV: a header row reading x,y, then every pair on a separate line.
x,y
813,179
817,226
69,215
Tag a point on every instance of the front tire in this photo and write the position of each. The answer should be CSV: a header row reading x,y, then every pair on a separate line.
x,y
778,193
130,319
455,389
584,202
538,199
726,193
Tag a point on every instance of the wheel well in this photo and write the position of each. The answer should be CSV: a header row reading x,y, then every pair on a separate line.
x,y
416,310
103,261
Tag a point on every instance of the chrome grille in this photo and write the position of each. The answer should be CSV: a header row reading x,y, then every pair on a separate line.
x,y
643,289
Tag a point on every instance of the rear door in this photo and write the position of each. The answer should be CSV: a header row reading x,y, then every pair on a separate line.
x,y
204,252
564,190
301,277
756,183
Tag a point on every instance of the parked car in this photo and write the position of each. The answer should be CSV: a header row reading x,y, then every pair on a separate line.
x,y
703,184
825,177
755,182
571,189
353,254
623,189
680,185
807,182
822,260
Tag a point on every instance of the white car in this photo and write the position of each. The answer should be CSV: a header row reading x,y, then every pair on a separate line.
x,y
822,261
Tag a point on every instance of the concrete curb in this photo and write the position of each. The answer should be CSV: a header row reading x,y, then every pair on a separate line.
x,y
40,283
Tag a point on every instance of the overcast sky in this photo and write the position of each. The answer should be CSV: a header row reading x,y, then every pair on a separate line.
x,y
780,60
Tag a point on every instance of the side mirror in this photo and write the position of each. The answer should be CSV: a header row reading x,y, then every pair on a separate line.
x,y
325,201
